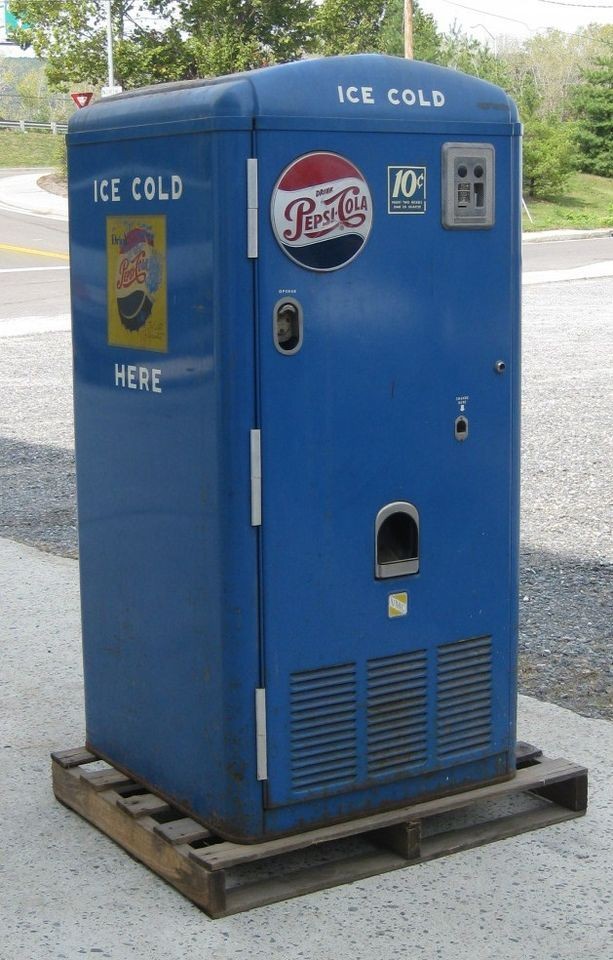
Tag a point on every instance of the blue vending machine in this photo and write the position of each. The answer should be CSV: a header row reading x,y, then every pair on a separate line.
x,y
296,298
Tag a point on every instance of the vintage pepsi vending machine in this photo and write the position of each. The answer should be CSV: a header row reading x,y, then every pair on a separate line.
x,y
295,300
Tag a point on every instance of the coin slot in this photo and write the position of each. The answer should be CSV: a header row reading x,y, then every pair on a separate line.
x,y
463,194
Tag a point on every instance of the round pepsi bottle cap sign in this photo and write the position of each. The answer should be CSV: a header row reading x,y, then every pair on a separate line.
x,y
321,211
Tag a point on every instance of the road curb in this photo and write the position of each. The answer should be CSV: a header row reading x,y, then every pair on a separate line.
x,y
20,193
551,236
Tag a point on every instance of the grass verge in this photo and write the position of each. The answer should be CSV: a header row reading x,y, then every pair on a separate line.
x,y
29,149
587,203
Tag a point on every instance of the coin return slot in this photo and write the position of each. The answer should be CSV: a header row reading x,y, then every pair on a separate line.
x,y
287,326
396,541
461,428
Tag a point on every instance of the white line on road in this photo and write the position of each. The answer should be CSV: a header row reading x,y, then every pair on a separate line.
x,y
29,269
25,326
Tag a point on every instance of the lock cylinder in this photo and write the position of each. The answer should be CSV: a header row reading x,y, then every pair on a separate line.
x,y
287,325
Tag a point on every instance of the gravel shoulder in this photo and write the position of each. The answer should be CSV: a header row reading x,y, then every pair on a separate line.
x,y
566,600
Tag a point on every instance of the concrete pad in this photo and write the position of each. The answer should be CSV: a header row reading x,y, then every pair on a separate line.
x,y
68,891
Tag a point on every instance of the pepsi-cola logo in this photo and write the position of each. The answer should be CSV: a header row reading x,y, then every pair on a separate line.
x,y
137,278
321,211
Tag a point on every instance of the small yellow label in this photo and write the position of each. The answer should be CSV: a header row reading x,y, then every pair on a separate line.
x,y
397,604
136,282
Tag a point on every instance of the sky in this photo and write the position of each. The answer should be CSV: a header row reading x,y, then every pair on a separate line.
x,y
486,19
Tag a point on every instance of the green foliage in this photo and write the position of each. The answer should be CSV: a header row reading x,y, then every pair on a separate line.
x,y
228,35
593,102
373,26
159,40
70,36
343,26
149,56
549,156
550,64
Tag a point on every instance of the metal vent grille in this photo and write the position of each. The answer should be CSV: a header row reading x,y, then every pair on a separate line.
x,y
323,728
464,701
397,720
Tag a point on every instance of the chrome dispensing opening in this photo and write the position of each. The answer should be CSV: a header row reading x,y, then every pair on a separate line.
x,y
396,540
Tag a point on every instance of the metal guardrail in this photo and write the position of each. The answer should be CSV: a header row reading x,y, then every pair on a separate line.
x,y
24,125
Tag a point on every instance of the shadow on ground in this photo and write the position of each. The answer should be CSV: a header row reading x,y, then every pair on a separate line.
x,y
38,502
565,631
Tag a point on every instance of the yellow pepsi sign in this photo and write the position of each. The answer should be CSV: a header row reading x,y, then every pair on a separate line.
x,y
136,282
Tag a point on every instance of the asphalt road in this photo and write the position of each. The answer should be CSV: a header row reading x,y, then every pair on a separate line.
x,y
566,254
33,265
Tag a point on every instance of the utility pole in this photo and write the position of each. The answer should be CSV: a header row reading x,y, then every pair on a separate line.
x,y
109,44
408,29
110,89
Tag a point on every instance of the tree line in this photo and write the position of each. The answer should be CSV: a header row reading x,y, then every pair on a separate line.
x,y
562,83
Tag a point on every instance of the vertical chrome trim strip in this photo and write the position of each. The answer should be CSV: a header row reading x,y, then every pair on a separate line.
x,y
256,478
260,734
252,209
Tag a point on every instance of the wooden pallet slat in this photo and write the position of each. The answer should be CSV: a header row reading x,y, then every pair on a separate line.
x,y
403,839
105,779
226,854
570,793
143,805
73,758
389,840
184,830
310,879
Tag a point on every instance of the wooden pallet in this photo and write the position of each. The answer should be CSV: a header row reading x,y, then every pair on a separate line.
x,y
224,878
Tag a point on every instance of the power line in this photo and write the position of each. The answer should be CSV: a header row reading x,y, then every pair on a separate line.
x,y
500,16
582,6
487,13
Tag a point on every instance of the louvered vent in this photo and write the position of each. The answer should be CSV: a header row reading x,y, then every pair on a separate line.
x,y
323,728
397,718
464,699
